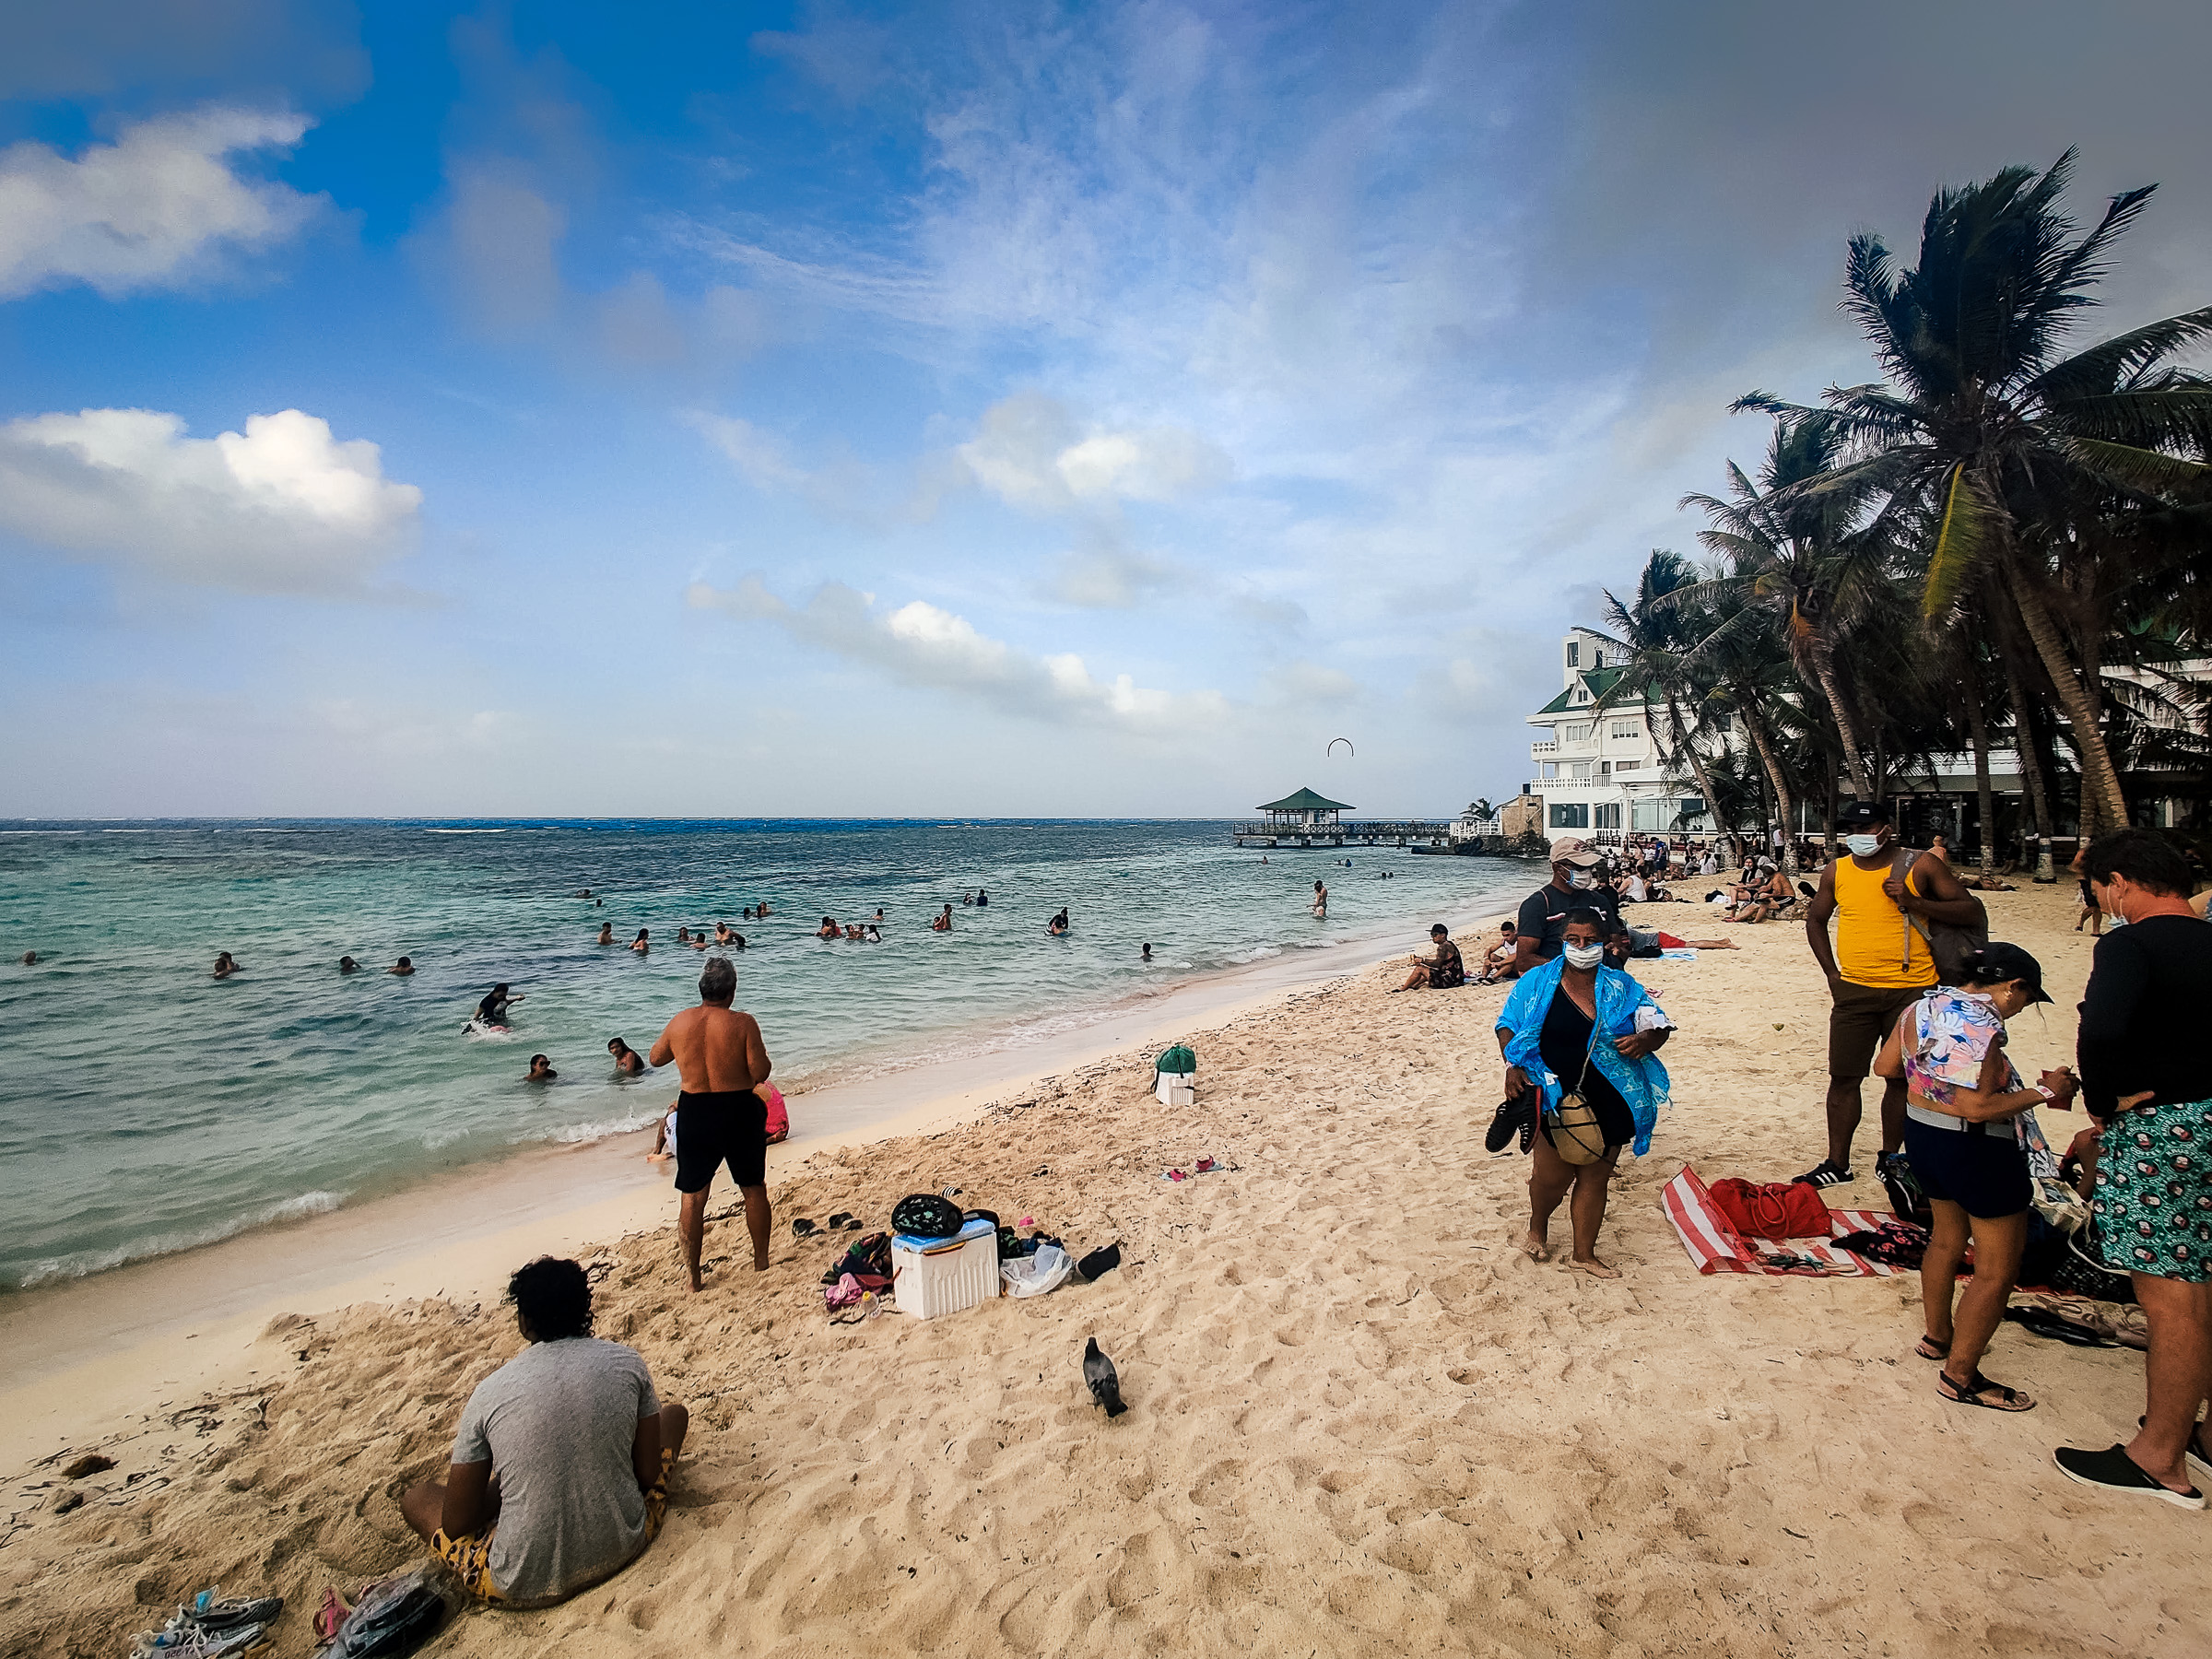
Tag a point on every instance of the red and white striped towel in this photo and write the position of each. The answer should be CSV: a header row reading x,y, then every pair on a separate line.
x,y
1714,1248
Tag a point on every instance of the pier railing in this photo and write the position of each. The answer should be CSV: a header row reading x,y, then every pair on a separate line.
x,y
1394,832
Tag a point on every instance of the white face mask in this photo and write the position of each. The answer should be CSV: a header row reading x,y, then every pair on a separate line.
x,y
1584,956
1863,846
1580,879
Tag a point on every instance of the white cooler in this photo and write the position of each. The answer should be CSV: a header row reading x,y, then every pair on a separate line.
x,y
943,1276
1175,1089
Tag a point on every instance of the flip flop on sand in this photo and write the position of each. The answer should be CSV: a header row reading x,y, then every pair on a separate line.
x,y
1977,1392
802,1228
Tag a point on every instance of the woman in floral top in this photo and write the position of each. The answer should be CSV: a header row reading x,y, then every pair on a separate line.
x,y
1970,1124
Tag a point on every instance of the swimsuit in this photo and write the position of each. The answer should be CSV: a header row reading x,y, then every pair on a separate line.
x,y
729,1124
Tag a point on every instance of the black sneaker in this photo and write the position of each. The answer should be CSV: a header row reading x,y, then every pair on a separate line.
x,y
1825,1174
2115,1471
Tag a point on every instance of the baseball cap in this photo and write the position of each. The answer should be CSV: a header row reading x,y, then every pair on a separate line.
x,y
1998,963
1860,814
1573,850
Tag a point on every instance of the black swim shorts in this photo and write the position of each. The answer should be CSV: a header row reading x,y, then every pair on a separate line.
x,y
1985,1175
712,1127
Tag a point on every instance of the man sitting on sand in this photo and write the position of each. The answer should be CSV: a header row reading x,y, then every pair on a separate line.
x,y
719,1051
1500,956
578,1443
1441,969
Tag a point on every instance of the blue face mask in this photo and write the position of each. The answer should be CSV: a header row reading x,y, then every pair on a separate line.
x,y
1863,846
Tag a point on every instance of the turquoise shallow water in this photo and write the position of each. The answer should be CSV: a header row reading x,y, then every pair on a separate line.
x,y
146,1107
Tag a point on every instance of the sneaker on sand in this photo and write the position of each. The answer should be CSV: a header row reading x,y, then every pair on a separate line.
x,y
212,1611
2115,1471
1825,1174
184,1641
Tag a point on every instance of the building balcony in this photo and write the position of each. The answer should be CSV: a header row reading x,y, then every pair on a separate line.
x,y
1543,749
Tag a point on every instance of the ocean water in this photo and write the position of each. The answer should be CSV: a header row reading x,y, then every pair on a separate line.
x,y
146,1107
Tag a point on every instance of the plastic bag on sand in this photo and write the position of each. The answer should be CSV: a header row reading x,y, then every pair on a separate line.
x,y
1035,1275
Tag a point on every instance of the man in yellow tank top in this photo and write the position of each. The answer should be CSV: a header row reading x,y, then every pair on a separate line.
x,y
1877,968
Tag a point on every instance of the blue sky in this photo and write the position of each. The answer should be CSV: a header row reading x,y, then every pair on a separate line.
x,y
985,409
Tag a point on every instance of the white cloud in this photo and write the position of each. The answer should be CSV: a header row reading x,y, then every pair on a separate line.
x,y
760,457
159,208
1029,451
920,644
282,507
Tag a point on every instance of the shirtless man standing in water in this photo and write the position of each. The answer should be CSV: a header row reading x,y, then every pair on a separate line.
x,y
719,1051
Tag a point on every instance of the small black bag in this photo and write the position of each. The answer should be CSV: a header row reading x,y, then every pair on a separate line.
x,y
1905,1196
927,1216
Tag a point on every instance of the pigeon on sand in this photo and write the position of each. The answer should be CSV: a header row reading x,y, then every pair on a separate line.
x,y
1104,1382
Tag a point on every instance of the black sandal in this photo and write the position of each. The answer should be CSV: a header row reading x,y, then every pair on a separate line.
x,y
2009,1399
1929,1348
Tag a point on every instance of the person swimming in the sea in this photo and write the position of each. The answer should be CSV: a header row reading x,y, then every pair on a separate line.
x,y
829,929
628,1062
854,934
492,1010
224,966
1058,924
541,1070
607,934
404,966
943,922
643,942
982,897
873,936
1148,954
723,933
347,965
760,911
1321,901
30,958
683,936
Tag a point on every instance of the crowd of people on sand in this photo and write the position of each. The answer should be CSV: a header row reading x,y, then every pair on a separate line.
x,y
1919,998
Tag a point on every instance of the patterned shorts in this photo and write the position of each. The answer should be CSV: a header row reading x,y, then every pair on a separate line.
x,y
2154,1191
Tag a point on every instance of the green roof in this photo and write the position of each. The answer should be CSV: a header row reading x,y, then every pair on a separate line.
x,y
1598,681
1305,800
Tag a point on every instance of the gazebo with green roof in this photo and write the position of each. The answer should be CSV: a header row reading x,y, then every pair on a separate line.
x,y
1304,812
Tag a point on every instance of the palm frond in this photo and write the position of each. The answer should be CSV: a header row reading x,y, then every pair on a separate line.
x,y
1962,536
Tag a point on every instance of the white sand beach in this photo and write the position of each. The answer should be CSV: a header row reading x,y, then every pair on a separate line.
x,y
1362,1421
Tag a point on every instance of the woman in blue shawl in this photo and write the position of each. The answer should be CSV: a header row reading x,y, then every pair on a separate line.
x,y
1574,1026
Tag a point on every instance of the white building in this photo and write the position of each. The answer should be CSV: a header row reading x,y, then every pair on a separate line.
x,y
1598,772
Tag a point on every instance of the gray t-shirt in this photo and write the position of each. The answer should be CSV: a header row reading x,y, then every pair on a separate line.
x,y
557,1421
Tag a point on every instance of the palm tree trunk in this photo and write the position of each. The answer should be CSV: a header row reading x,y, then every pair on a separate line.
x,y
1824,668
1977,726
2099,778
1679,734
2031,765
1775,779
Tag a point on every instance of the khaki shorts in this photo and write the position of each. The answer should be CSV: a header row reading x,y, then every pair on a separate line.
x,y
470,1554
1860,1022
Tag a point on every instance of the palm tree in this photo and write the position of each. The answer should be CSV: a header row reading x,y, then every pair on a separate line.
x,y
1708,662
1981,417
1803,559
1657,636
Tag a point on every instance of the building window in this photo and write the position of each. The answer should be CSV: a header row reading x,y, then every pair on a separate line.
x,y
1570,814
1574,653
1627,728
1604,769
1551,769
1608,815
1578,772
1578,734
1598,658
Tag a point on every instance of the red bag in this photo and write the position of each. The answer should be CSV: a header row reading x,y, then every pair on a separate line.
x,y
1776,1209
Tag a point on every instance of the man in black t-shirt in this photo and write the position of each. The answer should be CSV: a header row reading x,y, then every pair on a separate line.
x,y
1573,885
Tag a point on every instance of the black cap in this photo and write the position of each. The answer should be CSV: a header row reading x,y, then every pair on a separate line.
x,y
1999,963
1863,812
